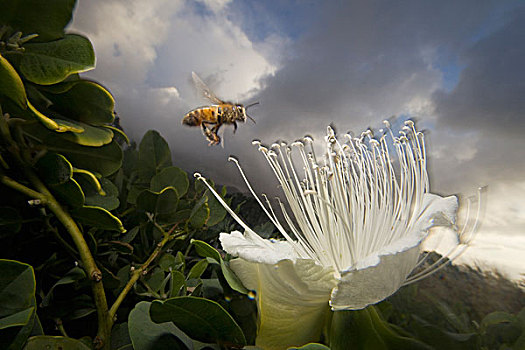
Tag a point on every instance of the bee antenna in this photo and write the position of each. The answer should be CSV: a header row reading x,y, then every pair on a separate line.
x,y
253,120
251,105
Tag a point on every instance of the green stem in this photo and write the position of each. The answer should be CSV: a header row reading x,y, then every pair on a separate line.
x,y
66,245
137,272
99,295
24,189
61,328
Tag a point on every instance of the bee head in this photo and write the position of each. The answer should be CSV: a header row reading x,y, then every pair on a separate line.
x,y
244,111
241,112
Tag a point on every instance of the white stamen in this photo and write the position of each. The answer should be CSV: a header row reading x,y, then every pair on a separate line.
x,y
363,195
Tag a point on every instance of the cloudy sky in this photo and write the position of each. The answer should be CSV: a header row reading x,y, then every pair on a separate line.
x,y
456,67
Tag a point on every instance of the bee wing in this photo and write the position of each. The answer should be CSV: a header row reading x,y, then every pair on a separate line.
x,y
204,89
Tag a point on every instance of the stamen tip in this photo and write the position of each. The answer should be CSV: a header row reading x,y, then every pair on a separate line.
x,y
308,138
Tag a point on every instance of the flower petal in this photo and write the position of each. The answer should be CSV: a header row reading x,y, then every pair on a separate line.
x,y
437,211
253,247
292,299
381,274
360,288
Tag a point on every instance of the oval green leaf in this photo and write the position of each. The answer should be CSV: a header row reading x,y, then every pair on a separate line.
x,y
205,250
48,342
69,192
17,302
171,176
106,198
85,101
147,335
45,18
199,214
163,204
311,346
98,217
12,86
198,269
201,319
90,136
104,160
51,62
154,155
54,169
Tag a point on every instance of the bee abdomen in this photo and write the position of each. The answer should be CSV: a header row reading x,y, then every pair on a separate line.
x,y
192,119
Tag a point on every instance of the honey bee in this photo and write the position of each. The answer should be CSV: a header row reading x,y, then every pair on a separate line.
x,y
212,117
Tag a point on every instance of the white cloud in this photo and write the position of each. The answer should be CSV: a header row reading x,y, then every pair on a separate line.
x,y
125,35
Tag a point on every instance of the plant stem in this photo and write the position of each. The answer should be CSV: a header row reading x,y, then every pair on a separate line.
x,y
24,189
99,295
137,272
60,327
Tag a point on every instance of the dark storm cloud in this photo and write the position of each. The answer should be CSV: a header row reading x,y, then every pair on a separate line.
x,y
364,61
490,95
354,63
489,104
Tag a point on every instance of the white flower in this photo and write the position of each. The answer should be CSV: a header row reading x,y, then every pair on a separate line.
x,y
359,219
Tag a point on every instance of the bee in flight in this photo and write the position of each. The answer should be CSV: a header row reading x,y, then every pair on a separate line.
x,y
212,117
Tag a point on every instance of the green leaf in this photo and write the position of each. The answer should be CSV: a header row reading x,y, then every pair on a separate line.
x,y
74,275
12,86
120,339
205,250
17,319
85,101
45,18
54,124
69,192
52,62
107,200
365,329
17,302
154,279
199,214
177,282
17,286
147,335
104,160
201,319
98,217
233,281
54,343
154,155
167,262
217,211
171,177
496,317
91,136
311,346
163,204
54,169
10,220
198,269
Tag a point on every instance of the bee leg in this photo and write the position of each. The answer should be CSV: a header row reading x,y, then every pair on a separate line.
x,y
234,127
211,134
214,139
